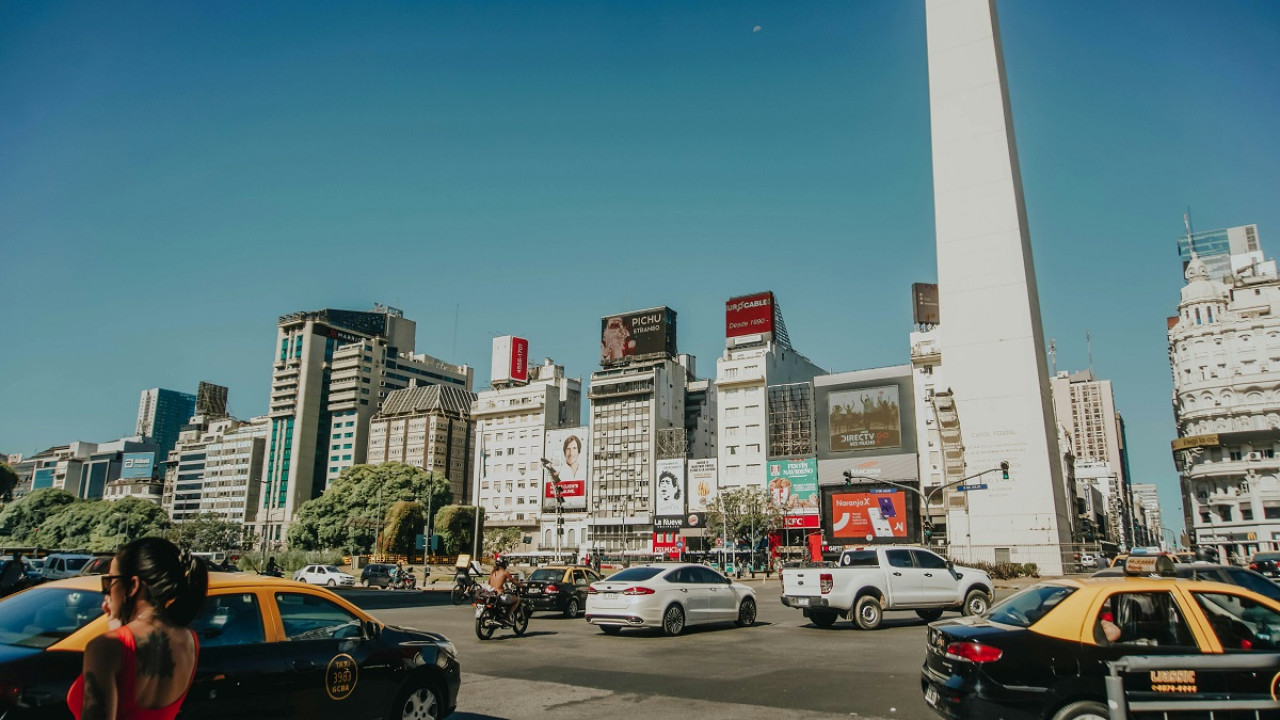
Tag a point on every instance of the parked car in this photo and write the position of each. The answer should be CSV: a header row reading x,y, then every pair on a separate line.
x,y
668,596
1088,562
867,581
324,575
64,565
1228,574
269,650
376,575
560,588
1266,563
99,565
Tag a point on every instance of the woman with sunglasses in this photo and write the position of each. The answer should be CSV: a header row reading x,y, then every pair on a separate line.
x,y
142,667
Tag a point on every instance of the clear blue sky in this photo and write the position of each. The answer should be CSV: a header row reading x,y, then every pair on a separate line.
x,y
174,176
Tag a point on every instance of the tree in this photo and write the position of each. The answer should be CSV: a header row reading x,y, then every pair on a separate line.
x,y
405,521
347,514
20,519
747,512
101,525
8,481
500,540
456,526
207,532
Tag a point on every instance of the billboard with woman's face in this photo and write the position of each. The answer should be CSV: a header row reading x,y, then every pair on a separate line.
x,y
564,462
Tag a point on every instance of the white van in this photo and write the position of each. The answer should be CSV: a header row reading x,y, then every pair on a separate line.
x,y
64,565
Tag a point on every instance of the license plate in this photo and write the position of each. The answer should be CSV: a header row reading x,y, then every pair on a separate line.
x,y
802,601
479,610
931,695
535,591
611,596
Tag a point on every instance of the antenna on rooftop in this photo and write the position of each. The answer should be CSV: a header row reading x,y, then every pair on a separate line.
x,y
1186,221
1053,357
1088,343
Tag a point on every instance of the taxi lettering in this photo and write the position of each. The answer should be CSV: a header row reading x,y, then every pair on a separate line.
x,y
1173,681
341,676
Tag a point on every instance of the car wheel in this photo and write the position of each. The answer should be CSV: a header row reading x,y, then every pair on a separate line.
x,y
975,603
610,629
929,614
1083,710
418,703
332,583
572,609
823,618
867,613
746,613
673,620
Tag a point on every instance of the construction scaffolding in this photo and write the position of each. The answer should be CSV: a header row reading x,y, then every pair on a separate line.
x,y
791,420
673,443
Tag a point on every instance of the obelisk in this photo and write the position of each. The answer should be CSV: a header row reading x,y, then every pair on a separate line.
x,y
992,344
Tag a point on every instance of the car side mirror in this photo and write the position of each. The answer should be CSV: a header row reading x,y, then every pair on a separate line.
x,y
728,581
951,565
371,629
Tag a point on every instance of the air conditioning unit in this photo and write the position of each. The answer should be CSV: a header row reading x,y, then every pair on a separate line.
x,y
1253,456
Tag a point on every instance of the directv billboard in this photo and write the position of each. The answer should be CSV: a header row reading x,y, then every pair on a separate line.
x,y
138,466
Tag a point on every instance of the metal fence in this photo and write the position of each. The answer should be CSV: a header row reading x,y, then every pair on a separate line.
x,y
1190,701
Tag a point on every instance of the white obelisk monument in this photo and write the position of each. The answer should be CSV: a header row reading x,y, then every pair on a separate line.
x,y
992,344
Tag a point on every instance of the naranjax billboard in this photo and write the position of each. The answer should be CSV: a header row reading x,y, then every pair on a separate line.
x,y
635,335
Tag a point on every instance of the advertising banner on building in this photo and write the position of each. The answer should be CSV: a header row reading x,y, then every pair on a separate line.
x,y
703,484
869,514
670,492
510,361
749,315
924,303
138,466
565,462
864,418
647,333
793,482
694,521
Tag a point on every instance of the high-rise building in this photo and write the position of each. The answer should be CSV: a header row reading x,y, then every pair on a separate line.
x,y
216,468
332,370
1224,351
1086,410
991,336
83,469
1145,494
512,423
1224,251
161,415
426,426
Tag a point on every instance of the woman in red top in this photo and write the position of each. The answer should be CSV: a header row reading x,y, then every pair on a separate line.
x,y
143,666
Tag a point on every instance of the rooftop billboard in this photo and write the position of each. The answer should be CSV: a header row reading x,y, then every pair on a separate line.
x,y
749,315
924,303
565,460
138,466
637,335
510,360
869,413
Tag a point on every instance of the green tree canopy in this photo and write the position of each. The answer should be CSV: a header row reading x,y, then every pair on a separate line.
x,y
8,481
101,525
456,526
347,514
207,532
20,519
405,521
500,540
744,511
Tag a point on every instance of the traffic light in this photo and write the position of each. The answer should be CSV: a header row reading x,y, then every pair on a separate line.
x,y
848,477
928,529
1004,469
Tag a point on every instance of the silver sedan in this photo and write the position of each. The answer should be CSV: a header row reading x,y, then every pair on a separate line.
x,y
670,596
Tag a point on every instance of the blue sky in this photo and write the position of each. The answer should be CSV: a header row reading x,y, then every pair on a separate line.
x,y
177,175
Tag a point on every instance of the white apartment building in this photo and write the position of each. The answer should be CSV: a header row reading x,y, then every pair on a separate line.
x,y
1224,351
331,371
84,469
149,490
1086,410
429,427
939,462
511,421
216,468
1146,496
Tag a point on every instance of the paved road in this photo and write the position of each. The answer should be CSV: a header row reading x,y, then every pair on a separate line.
x,y
783,666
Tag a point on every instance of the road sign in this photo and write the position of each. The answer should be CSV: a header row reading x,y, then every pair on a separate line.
x,y
679,544
967,488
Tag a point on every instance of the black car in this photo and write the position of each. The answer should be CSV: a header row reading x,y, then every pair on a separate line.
x,y
1229,574
376,575
560,588
1266,563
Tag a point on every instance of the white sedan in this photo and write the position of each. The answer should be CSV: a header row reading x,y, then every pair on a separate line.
x,y
324,575
669,596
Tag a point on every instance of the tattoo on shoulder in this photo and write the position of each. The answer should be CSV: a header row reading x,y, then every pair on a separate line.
x,y
95,698
155,657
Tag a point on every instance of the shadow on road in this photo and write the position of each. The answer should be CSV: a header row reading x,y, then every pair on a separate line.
x,y
389,599
519,637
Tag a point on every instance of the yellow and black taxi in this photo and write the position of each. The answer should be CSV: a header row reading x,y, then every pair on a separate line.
x,y
269,648
1043,652
560,588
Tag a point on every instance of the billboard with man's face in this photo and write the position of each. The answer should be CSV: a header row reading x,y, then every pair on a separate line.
x,y
669,493
647,333
564,459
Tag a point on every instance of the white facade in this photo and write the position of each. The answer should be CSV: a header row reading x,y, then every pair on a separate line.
x,y
1145,494
991,333
927,379
149,490
1086,410
510,427
1224,350
216,467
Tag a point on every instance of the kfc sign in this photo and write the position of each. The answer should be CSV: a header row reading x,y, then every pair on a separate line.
x,y
749,315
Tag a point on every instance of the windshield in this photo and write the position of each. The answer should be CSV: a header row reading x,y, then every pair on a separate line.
x,y
1255,582
1028,606
546,575
76,563
635,574
41,617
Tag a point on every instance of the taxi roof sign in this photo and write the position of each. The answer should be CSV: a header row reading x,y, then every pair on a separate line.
x,y
1141,565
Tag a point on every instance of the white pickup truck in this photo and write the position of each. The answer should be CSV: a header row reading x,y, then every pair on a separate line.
x,y
868,581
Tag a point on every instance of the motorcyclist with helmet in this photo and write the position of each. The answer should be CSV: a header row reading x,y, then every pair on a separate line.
x,y
498,580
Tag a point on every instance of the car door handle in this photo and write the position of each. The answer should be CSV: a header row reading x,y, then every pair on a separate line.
x,y
684,590
898,574
302,665
928,574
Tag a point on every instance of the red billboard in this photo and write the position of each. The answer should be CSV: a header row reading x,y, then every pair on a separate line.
x,y
510,360
869,516
519,359
749,315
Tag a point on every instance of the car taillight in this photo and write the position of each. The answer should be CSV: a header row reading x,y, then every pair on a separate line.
x,y
973,652
1253,566
637,590
552,589
10,690
825,583
591,590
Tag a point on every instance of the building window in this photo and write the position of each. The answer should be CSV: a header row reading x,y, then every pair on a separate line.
x,y
1236,455
1271,509
1246,512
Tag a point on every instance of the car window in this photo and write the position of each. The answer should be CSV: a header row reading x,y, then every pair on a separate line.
x,y
1240,623
231,619
310,617
899,558
1250,580
1029,606
579,577
76,563
928,560
42,616
709,576
683,575
635,574
1147,619
545,575
860,558
593,576
332,569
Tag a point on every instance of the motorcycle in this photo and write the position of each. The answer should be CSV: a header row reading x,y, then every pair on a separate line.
x,y
491,614
404,580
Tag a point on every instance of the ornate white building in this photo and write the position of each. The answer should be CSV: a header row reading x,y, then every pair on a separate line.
x,y
1224,350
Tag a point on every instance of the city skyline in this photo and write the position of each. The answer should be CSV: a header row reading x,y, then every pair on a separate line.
x,y
183,182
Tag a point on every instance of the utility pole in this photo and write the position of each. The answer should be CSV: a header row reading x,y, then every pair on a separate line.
x,y
377,537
